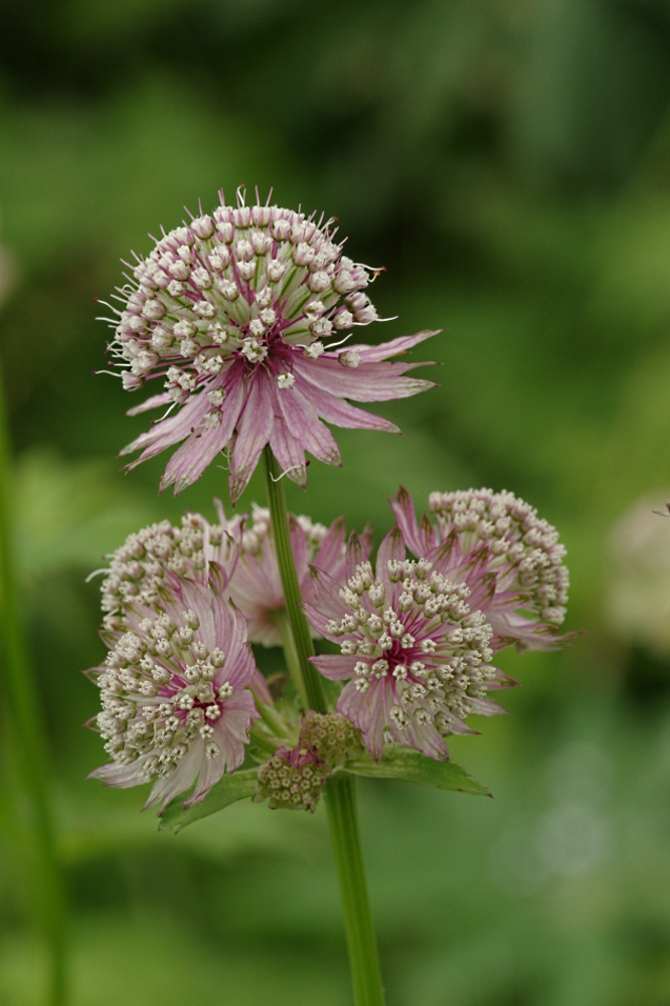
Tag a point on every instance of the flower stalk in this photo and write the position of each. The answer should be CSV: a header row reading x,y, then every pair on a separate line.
x,y
339,793
302,648
26,733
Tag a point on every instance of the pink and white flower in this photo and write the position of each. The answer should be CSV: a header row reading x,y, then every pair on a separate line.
x,y
256,586
138,569
241,314
503,536
414,645
177,690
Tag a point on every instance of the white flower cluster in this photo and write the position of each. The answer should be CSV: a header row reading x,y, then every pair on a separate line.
x,y
237,284
516,538
427,644
137,569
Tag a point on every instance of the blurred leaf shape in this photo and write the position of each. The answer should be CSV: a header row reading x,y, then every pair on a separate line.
x,y
229,790
411,766
70,513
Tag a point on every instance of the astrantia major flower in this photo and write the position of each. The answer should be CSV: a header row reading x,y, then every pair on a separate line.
x,y
256,586
137,570
505,538
176,690
242,315
415,646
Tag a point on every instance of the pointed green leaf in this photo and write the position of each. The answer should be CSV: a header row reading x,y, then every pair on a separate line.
x,y
228,790
411,766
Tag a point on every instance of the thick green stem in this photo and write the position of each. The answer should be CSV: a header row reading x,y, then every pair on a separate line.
x,y
339,793
340,799
21,707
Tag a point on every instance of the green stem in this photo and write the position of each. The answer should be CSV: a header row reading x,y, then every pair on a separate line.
x,y
23,709
339,793
340,799
292,657
302,648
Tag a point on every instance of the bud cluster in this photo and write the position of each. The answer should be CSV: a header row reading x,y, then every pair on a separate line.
x,y
292,779
331,737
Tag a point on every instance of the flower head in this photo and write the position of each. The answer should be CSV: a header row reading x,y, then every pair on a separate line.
x,y
138,569
177,704
415,646
233,312
505,538
256,586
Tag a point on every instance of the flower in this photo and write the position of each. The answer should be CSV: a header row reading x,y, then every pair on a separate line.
x,y
138,569
505,538
176,689
256,586
415,646
638,594
231,312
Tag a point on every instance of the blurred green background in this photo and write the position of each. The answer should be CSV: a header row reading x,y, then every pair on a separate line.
x,y
508,161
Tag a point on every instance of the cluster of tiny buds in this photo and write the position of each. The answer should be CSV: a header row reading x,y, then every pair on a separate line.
x,y
428,645
292,779
515,536
137,569
257,531
331,737
161,688
236,284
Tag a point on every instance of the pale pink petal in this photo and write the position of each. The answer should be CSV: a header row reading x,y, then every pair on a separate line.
x,y
419,541
369,382
330,554
167,787
253,433
288,451
303,423
338,412
355,555
319,621
335,666
392,549
373,354
169,431
327,594
183,472
151,403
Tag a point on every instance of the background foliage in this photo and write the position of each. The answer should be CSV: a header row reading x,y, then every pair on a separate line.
x,y
509,163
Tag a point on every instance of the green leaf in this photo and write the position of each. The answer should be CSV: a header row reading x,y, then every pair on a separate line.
x,y
229,790
411,766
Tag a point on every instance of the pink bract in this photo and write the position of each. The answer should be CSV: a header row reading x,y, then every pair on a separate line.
x,y
230,312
